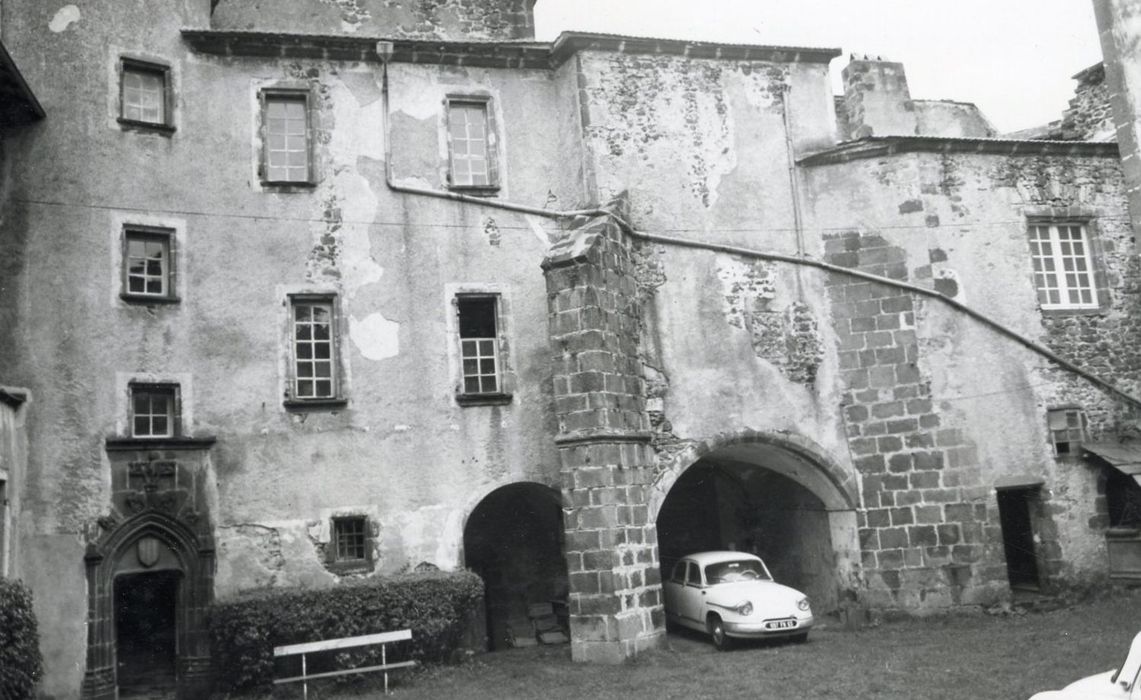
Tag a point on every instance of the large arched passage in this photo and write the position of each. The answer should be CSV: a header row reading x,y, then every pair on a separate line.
x,y
775,495
514,540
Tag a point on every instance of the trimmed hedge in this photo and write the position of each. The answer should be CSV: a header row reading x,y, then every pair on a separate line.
x,y
20,662
435,605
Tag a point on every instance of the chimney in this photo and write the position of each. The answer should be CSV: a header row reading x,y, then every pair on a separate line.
x,y
877,99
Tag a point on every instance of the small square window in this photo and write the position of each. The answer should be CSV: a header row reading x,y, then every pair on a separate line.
x,y
471,145
148,265
479,344
1063,266
350,539
285,138
1068,428
314,347
154,410
144,94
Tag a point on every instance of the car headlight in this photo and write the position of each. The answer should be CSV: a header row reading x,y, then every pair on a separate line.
x,y
745,608
803,604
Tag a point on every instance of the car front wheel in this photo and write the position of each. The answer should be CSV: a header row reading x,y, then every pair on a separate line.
x,y
717,631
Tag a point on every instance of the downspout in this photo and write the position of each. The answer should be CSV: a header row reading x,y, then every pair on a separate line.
x,y
384,52
793,184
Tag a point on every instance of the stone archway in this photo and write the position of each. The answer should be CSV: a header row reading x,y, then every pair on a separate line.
x,y
149,543
776,494
513,538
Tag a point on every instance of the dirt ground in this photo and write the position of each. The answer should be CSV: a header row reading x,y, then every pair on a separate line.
x,y
981,656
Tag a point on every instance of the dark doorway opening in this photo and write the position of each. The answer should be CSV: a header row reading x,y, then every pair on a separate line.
x,y
719,504
514,541
1015,509
146,632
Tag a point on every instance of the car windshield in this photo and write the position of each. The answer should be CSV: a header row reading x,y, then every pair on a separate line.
x,y
736,570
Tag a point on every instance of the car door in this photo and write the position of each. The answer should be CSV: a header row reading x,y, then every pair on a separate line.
x,y
693,594
674,588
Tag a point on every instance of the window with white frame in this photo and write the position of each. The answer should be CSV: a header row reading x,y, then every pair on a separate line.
x,y
1068,427
154,410
478,321
144,93
1063,265
148,264
314,340
471,144
285,137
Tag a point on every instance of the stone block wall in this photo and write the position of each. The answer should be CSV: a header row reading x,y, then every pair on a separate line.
x,y
603,437
927,536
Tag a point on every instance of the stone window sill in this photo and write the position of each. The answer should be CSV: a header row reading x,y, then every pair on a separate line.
x,y
123,444
1054,313
476,190
135,125
484,399
147,300
288,185
356,566
333,404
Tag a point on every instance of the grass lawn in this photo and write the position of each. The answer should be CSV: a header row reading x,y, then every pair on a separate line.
x,y
961,657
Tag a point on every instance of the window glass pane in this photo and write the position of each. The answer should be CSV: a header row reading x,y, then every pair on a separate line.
x,y
471,385
143,95
477,317
286,139
467,126
324,388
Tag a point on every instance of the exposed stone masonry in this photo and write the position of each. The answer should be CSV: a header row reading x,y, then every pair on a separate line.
x,y
1089,117
606,458
924,531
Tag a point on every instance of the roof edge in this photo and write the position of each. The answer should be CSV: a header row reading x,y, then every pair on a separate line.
x,y
33,110
495,54
877,146
569,43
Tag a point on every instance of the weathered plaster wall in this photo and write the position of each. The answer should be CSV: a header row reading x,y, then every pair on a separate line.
x,y
951,119
402,451
699,145
958,224
428,19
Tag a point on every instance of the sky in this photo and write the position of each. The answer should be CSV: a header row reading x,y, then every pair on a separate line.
x,y
1013,58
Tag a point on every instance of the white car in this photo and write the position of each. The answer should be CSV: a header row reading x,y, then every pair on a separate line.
x,y
733,595
1122,684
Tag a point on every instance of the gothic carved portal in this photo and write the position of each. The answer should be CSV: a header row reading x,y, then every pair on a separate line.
x,y
150,574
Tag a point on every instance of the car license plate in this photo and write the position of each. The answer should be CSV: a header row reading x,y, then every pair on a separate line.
x,y
780,624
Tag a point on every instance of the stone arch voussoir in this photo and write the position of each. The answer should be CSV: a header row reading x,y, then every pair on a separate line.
x,y
837,487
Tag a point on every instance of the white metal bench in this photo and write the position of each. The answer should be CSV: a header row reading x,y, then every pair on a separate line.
x,y
346,643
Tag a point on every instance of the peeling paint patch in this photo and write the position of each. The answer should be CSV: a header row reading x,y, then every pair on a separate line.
x,y
375,337
252,554
788,338
352,14
491,231
911,205
64,18
947,284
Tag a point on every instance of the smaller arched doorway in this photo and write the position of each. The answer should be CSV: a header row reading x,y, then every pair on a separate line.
x,y
514,540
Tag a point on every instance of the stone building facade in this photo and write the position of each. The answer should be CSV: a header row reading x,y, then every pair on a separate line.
x,y
348,288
